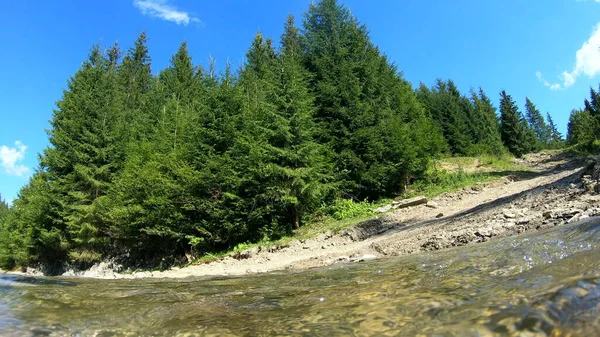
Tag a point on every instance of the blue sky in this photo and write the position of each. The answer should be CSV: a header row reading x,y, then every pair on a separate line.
x,y
545,49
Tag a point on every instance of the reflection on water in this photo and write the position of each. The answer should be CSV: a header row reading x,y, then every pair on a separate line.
x,y
540,284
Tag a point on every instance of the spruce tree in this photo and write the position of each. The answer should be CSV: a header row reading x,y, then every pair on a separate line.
x,y
302,166
537,124
156,203
134,76
364,108
593,107
81,161
447,108
3,208
556,138
512,129
581,127
487,127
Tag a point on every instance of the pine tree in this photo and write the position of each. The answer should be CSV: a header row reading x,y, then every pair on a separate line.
x,y
134,78
593,107
593,104
364,108
155,199
487,127
581,127
302,166
3,208
512,128
556,139
537,124
32,232
80,164
449,110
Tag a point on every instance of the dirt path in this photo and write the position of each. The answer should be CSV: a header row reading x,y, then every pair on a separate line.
x,y
552,195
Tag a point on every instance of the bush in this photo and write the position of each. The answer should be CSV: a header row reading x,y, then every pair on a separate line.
x,y
342,209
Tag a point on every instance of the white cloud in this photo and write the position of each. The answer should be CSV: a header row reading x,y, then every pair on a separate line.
x,y
587,62
555,86
9,158
162,10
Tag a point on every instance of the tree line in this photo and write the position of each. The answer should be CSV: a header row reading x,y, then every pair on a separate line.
x,y
583,129
191,160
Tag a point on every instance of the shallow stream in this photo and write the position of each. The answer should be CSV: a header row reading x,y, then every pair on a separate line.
x,y
538,284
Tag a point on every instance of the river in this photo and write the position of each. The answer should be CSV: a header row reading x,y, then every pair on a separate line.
x,y
538,284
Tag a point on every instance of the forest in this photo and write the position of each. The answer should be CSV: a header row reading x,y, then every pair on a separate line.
x,y
156,165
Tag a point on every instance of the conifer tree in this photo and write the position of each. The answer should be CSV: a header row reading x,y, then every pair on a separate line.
x,y
556,138
447,108
364,107
580,128
3,208
593,107
486,126
134,82
80,164
156,202
512,128
537,124
593,104
302,165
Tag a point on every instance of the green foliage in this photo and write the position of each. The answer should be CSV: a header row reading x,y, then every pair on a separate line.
x,y
516,134
466,171
191,162
583,129
556,138
538,126
3,208
342,209
469,125
366,113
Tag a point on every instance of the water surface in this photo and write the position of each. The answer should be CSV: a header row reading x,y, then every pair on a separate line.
x,y
539,284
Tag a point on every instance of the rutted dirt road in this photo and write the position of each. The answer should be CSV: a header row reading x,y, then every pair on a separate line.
x,y
557,191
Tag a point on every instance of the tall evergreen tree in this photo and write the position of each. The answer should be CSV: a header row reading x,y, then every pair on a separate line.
x,y
451,112
364,107
155,202
556,138
302,165
537,124
3,208
80,163
593,104
134,77
512,127
581,127
486,126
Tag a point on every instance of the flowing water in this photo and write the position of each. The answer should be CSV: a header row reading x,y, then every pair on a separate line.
x,y
539,284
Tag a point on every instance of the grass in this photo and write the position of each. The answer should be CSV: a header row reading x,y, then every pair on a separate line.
x,y
446,175
451,174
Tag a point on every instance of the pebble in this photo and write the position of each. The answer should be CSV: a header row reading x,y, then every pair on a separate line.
x,y
367,257
509,215
432,204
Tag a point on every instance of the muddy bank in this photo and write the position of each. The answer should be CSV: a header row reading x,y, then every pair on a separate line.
x,y
559,189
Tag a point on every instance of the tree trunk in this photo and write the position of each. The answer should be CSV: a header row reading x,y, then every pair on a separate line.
x,y
297,217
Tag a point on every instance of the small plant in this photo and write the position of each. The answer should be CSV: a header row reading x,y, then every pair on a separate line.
x,y
347,208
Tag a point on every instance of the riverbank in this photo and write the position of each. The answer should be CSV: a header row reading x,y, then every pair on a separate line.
x,y
550,192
